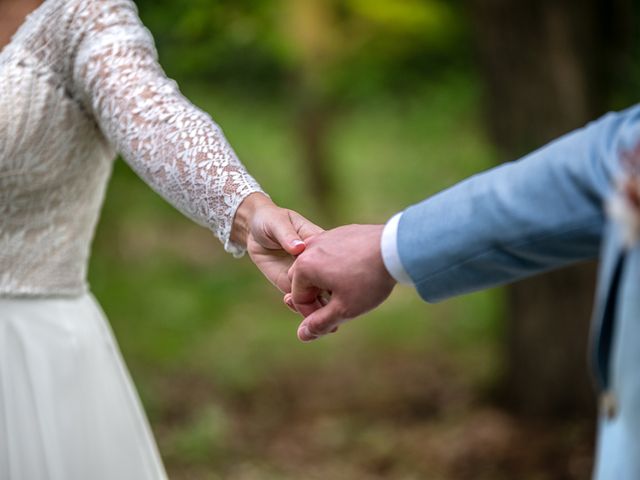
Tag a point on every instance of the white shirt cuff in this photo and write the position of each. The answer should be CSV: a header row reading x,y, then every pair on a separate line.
x,y
389,249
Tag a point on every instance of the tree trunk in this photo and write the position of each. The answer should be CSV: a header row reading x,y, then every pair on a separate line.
x,y
548,67
313,125
310,28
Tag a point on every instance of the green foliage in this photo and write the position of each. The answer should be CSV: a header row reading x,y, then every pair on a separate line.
x,y
419,19
377,45
222,40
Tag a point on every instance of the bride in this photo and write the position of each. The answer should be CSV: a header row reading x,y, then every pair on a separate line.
x,y
79,81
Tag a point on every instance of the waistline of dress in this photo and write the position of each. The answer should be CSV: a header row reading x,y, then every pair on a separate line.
x,y
31,292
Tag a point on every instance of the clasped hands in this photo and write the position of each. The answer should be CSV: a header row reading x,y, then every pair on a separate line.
x,y
328,277
339,276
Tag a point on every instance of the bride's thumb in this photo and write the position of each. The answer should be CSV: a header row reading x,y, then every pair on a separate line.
x,y
286,235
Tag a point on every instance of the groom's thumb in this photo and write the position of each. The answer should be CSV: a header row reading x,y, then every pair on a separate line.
x,y
322,321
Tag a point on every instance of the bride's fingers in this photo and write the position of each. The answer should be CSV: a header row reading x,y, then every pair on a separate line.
x,y
308,309
324,298
322,301
305,228
288,301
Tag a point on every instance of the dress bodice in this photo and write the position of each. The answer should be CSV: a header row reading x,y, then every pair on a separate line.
x,y
79,82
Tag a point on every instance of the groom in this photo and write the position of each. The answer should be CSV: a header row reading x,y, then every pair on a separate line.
x,y
575,199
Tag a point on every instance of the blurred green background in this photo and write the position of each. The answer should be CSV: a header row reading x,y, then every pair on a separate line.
x,y
347,111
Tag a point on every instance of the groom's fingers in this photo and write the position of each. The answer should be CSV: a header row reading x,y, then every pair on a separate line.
x,y
321,301
321,322
305,291
304,296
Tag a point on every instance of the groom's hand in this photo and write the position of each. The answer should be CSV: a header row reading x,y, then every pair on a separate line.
x,y
346,262
272,235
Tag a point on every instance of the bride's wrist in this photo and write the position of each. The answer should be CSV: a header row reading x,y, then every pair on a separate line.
x,y
244,214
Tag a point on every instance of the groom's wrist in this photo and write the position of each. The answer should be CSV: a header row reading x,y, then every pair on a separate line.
x,y
390,252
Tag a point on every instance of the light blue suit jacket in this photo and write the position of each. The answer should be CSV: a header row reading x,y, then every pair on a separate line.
x,y
542,212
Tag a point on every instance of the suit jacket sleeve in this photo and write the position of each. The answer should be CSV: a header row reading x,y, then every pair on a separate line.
x,y
522,218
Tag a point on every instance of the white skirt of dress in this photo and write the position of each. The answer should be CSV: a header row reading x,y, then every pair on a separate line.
x,y
68,408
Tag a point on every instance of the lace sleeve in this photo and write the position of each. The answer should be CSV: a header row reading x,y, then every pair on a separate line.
x,y
175,147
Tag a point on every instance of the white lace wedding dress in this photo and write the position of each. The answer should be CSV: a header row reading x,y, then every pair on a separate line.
x,y
78,82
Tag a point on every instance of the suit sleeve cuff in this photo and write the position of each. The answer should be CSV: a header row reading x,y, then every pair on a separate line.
x,y
390,254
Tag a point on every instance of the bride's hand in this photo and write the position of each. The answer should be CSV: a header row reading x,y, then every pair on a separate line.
x,y
272,235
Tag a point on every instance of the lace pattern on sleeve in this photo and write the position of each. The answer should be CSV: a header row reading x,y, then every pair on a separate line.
x,y
175,147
